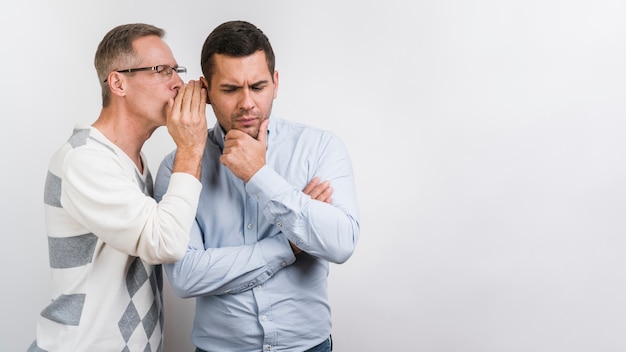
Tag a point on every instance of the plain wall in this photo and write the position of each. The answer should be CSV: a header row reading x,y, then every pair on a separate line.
x,y
487,139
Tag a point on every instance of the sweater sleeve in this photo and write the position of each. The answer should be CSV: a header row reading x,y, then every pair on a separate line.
x,y
98,191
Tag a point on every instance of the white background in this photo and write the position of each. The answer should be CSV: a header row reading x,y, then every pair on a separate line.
x,y
486,136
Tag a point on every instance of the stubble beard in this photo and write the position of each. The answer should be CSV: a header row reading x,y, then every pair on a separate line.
x,y
252,131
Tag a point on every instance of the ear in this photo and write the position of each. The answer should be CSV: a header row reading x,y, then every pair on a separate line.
x,y
205,84
117,84
275,83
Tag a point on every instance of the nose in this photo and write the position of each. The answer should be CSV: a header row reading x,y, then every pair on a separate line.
x,y
246,102
178,82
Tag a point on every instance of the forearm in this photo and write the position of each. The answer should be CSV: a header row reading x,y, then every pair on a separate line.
x,y
189,160
228,270
168,237
113,208
318,228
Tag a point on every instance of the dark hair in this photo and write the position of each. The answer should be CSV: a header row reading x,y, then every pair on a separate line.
x,y
116,52
235,39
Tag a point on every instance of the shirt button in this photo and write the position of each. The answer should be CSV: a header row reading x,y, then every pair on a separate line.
x,y
268,347
264,317
283,264
258,288
250,226
279,224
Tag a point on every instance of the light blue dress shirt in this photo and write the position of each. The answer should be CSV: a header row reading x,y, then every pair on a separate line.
x,y
252,293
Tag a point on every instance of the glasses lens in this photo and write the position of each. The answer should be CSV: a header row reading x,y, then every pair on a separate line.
x,y
166,71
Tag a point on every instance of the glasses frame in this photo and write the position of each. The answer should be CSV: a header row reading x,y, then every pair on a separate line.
x,y
157,68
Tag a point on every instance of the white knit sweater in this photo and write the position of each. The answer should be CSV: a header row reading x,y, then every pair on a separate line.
x,y
106,237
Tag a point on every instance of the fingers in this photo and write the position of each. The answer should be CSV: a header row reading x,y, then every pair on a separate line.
x,y
262,137
176,108
175,104
198,97
201,104
186,97
321,191
186,116
294,248
192,97
314,182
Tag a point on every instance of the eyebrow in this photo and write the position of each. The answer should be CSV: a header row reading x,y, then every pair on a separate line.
x,y
228,85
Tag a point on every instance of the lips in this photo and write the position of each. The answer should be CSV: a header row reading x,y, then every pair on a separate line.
x,y
246,121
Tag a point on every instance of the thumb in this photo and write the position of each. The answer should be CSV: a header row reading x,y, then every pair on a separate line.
x,y
262,137
169,108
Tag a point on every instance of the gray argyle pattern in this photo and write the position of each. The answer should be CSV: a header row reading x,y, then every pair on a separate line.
x,y
136,278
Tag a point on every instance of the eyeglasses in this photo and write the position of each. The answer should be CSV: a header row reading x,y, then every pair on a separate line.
x,y
164,71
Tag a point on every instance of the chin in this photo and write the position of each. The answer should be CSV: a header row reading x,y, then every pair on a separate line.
x,y
253,131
